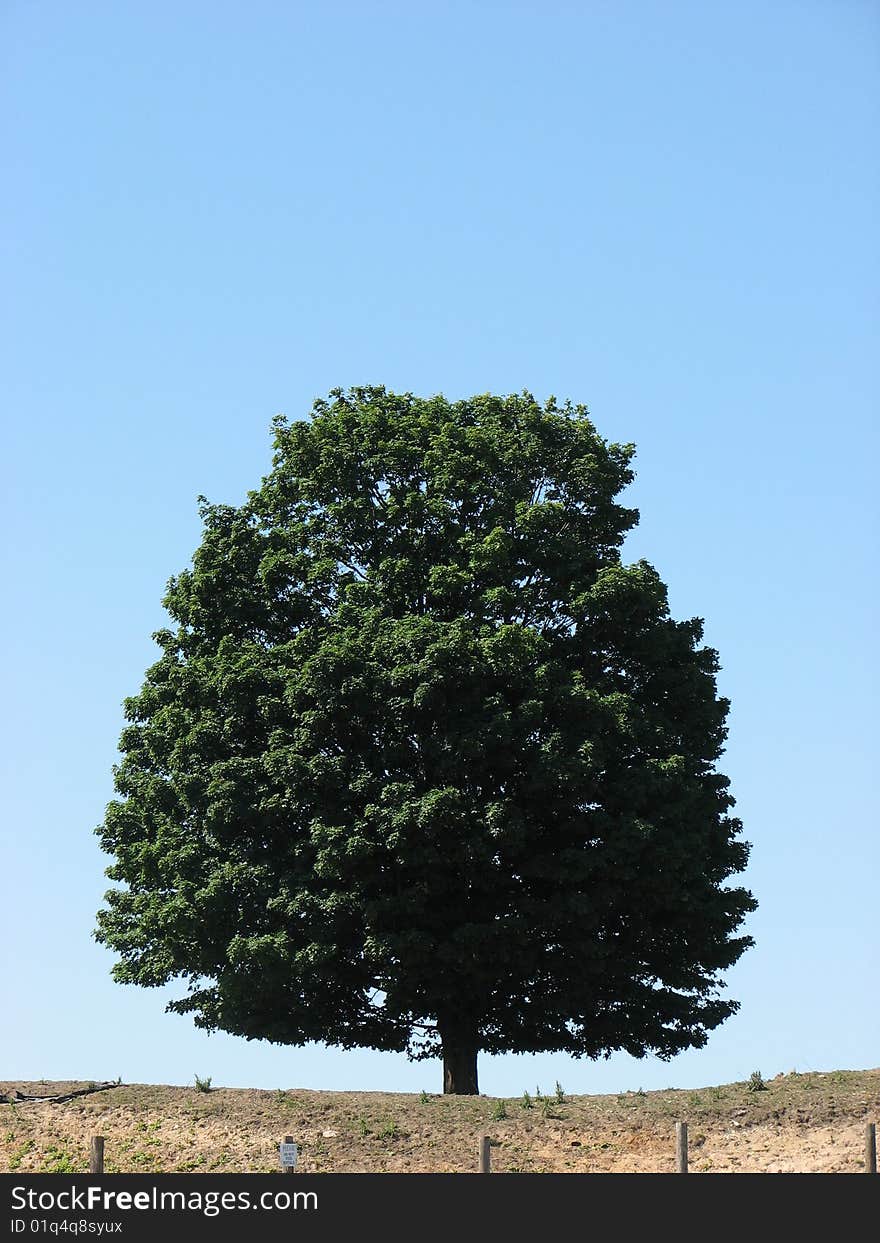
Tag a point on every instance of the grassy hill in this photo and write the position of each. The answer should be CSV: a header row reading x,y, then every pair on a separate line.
x,y
797,1123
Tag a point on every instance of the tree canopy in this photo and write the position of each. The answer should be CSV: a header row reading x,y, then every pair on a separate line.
x,y
423,766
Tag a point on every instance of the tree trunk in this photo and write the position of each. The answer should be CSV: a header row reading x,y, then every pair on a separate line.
x,y
459,1066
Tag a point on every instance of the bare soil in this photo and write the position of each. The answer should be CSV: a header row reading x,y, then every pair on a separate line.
x,y
800,1123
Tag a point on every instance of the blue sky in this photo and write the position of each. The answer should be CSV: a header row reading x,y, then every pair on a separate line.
x,y
667,211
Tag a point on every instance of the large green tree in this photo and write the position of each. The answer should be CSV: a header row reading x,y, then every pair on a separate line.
x,y
423,766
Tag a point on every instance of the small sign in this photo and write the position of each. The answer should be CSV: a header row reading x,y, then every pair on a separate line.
x,y
288,1155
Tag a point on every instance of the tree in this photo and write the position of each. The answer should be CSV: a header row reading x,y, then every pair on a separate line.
x,y
423,766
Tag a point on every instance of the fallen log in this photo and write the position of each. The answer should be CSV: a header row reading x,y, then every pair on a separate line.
x,y
20,1098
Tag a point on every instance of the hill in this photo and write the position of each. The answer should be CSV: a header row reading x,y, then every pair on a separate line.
x,y
797,1123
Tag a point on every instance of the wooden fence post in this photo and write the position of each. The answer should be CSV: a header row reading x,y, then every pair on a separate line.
x,y
96,1155
681,1147
485,1158
870,1148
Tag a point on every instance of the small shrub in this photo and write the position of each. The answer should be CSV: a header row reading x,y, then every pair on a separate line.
x,y
16,1159
362,1127
539,1095
560,1095
546,1108
58,1161
423,1098
388,1130
499,1111
203,1085
756,1082
526,1101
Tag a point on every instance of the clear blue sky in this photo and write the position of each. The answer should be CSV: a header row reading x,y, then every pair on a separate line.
x,y
666,210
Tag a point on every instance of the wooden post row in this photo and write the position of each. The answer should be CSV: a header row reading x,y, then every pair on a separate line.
x,y
96,1151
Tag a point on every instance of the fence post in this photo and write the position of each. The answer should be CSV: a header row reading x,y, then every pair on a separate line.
x,y
288,1169
681,1147
485,1159
96,1155
870,1148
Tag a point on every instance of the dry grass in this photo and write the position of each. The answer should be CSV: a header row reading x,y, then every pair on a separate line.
x,y
802,1122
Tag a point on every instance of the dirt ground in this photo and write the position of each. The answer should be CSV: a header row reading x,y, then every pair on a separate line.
x,y
798,1123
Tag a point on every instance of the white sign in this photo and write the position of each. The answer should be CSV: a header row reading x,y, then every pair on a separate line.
x,y
288,1155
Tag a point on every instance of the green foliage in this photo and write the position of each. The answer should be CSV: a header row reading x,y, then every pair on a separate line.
x,y
58,1161
526,1101
423,763
499,1111
388,1130
756,1082
18,1155
203,1085
560,1094
424,1098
